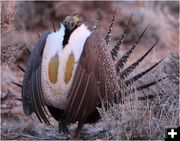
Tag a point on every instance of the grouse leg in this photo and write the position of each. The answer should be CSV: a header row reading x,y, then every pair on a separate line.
x,y
78,130
63,127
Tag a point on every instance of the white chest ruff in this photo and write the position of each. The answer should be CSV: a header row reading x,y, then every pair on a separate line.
x,y
56,94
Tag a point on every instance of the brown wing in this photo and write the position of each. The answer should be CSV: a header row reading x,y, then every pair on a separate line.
x,y
85,93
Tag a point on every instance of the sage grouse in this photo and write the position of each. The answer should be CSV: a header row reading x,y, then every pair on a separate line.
x,y
73,69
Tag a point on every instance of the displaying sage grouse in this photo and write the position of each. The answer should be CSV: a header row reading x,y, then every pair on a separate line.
x,y
73,69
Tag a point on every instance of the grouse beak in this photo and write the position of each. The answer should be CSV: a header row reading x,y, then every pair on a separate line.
x,y
71,22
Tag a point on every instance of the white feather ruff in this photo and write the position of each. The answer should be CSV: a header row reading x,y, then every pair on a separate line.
x,y
54,46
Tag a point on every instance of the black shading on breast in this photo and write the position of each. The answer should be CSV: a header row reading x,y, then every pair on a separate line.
x,y
67,35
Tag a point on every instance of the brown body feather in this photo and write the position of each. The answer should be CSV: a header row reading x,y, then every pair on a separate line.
x,y
87,91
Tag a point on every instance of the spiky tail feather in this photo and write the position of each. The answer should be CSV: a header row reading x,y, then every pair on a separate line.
x,y
53,25
114,51
19,99
150,84
38,35
108,35
97,17
17,84
20,68
132,67
145,86
121,62
141,74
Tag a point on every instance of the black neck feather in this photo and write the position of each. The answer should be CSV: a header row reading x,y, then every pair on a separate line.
x,y
67,35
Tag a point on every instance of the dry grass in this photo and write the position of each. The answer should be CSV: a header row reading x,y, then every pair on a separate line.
x,y
147,119
13,42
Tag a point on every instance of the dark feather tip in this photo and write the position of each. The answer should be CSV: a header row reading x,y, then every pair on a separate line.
x,y
19,85
20,68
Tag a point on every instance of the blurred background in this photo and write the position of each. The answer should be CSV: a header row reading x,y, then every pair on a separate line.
x,y
21,22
